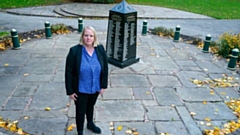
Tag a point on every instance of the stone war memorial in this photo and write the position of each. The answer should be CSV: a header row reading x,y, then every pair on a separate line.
x,y
122,35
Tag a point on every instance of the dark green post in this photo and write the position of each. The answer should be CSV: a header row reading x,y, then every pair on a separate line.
x,y
48,32
207,43
233,59
177,34
15,40
144,29
80,25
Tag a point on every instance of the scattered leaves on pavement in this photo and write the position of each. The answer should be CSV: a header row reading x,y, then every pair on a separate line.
x,y
11,126
224,82
233,104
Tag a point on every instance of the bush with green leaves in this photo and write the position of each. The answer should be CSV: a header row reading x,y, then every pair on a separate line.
x,y
4,33
163,31
59,28
228,42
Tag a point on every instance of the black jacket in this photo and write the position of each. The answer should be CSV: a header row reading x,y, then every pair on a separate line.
x,y
73,63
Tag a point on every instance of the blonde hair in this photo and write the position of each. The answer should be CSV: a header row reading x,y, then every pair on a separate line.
x,y
95,42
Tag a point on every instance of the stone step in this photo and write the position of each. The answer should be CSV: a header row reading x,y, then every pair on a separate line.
x,y
62,13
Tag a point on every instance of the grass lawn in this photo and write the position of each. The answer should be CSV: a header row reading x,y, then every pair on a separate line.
x,y
220,9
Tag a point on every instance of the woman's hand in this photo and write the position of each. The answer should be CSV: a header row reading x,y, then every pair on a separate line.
x,y
101,91
73,96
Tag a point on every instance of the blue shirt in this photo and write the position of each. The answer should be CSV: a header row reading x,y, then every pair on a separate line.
x,y
90,70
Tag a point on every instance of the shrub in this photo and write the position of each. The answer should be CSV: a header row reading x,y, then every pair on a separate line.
x,y
163,31
59,28
228,41
4,33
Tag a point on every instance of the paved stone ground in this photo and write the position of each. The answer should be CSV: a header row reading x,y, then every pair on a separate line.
x,y
153,95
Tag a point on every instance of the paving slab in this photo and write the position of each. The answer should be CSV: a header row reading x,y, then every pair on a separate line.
x,y
9,69
71,109
105,127
143,67
40,70
33,78
128,80
214,123
159,45
178,54
142,93
228,93
11,115
159,81
149,103
47,126
171,127
144,128
119,110
16,103
126,70
117,93
188,65
211,67
25,90
167,96
59,77
160,63
53,87
42,101
188,121
163,113
40,62
214,111
185,76
198,95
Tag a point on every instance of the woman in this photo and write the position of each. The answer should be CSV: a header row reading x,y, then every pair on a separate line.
x,y
86,76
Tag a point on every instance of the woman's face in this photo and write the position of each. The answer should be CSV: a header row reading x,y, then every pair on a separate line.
x,y
88,37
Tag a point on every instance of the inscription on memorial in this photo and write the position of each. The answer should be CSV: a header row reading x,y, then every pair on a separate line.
x,y
121,38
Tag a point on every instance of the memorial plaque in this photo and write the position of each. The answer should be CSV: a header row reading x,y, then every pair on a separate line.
x,y
122,35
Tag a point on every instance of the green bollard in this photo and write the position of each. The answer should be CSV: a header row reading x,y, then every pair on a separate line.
x,y
80,25
15,40
206,43
233,59
144,28
48,31
177,34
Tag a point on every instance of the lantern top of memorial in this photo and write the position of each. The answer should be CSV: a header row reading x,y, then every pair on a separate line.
x,y
123,7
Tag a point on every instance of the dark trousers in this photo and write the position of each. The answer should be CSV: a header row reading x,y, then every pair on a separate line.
x,y
84,105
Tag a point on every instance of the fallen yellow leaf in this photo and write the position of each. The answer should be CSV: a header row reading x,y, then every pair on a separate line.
x,y
19,131
47,109
204,102
135,133
70,127
207,119
212,92
6,65
119,128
